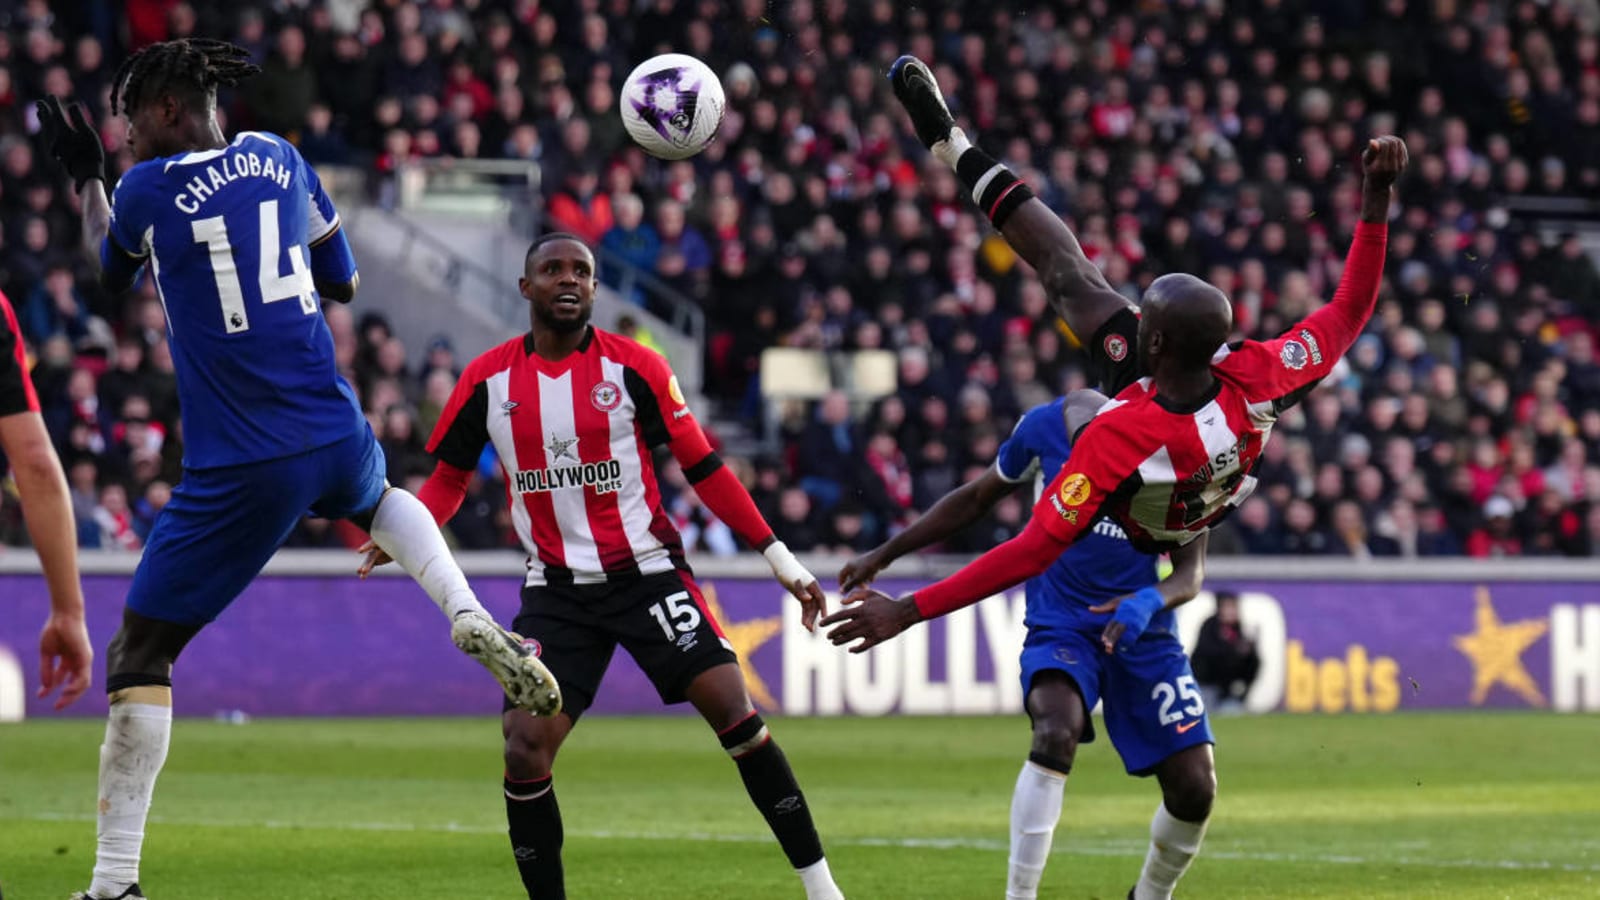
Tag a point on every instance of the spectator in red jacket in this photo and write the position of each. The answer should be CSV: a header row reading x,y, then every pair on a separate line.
x,y
1495,537
581,208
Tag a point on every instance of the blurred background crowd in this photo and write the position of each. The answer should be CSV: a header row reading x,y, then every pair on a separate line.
x,y
1208,137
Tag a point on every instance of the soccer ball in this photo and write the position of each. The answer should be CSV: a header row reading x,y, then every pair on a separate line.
x,y
672,105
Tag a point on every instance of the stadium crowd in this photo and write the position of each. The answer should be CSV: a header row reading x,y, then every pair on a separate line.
x,y
1207,137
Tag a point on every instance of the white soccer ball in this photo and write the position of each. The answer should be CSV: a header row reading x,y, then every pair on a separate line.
x,y
672,105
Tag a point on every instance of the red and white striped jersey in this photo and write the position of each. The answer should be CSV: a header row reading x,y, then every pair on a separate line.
x,y
1168,473
574,438
16,388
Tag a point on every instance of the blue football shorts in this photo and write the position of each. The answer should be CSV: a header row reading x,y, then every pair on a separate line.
x,y
1152,704
223,524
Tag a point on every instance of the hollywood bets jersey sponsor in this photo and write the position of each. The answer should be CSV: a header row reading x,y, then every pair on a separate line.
x,y
574,437
228,235
1100,566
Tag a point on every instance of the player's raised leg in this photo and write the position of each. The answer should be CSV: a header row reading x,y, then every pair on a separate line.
x,y
1078,291
404,530
1188,789
720,696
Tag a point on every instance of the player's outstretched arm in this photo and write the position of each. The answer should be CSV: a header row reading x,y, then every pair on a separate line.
x,y
1131,613
1099,465
1078,291
954,511
65,656
871,617
1308,351
1064,512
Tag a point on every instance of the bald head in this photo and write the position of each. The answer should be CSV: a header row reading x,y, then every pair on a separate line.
x,y
1183,321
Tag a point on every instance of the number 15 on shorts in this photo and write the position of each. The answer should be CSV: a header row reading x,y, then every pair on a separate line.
x,y
677,614
1170,692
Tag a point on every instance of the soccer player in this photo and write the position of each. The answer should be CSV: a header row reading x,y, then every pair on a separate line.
x,y
1152,713
1171,454
65,658
574,413
242,243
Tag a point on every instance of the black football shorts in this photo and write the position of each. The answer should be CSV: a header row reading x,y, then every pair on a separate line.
x,y
661,620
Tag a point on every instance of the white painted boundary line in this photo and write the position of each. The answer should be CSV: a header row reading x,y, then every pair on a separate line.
x,y
1128,849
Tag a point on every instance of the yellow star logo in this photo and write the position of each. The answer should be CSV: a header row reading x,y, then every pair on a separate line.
x,y
746,638
1495,651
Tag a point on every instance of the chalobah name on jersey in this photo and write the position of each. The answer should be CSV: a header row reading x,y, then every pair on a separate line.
x,y
225,171
604,476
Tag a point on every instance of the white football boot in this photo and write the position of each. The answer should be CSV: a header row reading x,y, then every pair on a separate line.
x,y
512,663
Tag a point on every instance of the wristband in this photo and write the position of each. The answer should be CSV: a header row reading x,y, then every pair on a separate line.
x,y
1135,612
791,574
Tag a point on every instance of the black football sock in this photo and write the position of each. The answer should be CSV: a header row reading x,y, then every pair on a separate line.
x,y
996,189
771,785
534,821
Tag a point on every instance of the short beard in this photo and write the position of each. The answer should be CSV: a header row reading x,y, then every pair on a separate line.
x,y
562,326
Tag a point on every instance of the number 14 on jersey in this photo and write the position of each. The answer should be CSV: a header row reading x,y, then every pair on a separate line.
x,y
297,284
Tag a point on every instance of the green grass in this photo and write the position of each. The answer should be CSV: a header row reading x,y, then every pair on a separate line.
x,y
1415,806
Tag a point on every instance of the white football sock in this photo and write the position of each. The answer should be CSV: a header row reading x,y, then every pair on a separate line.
x,y
1173,846
950,149
818,881
137,735
404,528
1035,809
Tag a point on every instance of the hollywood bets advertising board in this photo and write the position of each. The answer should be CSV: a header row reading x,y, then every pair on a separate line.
x,y
306,645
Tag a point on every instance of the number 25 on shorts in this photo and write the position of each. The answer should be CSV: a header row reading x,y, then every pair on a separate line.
x,y
1169,694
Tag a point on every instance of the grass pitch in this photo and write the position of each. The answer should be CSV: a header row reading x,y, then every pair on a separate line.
x,y
1413,806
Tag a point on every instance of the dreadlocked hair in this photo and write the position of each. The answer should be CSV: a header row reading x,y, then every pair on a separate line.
x,y
193,65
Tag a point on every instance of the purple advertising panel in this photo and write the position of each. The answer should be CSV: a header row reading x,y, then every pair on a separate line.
x,y
302,645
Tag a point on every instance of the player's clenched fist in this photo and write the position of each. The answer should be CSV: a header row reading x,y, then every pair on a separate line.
x,y
1384,159
1381,162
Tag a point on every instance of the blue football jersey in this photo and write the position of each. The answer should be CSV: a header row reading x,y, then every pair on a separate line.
x,y
1100,566
232,237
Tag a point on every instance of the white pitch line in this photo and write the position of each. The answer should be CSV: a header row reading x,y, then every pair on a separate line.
x,y
908,843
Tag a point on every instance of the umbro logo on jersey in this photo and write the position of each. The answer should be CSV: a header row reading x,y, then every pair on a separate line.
x,y
509,405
